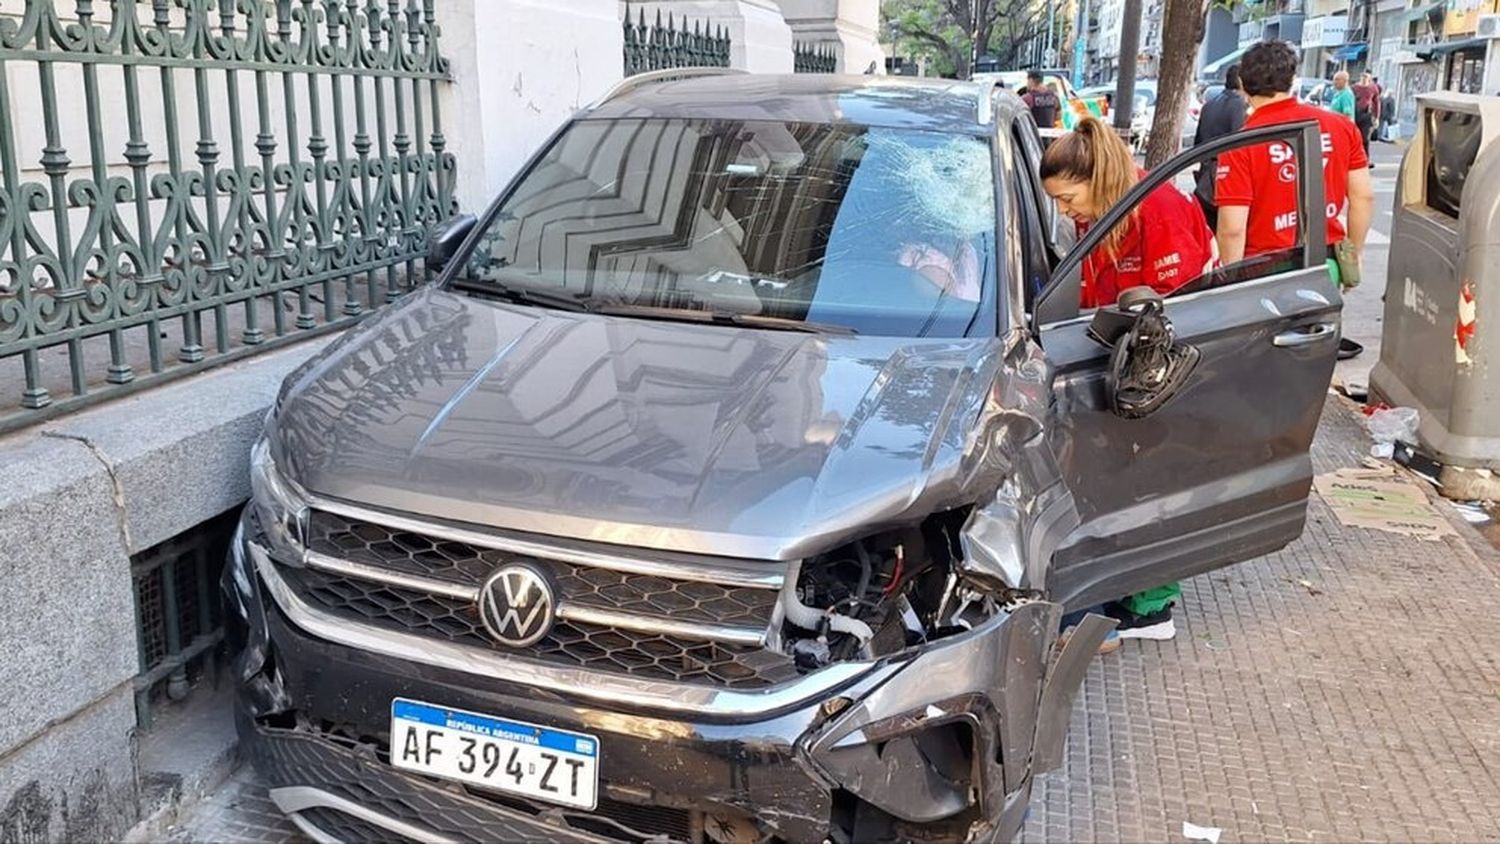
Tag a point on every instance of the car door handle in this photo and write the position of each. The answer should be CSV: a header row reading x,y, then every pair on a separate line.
x,y
1305,335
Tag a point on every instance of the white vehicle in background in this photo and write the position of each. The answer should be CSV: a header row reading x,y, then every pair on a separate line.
x,y
1143,114
1072,103
1147,88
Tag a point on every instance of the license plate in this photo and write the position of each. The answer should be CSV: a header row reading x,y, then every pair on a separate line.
x,y
505,755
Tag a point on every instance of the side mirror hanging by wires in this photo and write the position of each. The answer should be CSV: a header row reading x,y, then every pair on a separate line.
x,y
1148,366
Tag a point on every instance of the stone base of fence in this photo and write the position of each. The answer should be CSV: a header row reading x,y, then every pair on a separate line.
x,y
79,497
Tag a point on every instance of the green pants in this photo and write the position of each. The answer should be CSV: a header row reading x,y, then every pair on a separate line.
x,y
1153,601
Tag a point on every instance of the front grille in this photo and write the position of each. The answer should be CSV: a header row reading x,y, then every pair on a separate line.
x,y
651,656
612,819
377,545
348,828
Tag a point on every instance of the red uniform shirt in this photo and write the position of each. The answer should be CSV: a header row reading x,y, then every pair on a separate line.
x,y
1165,245
1264,177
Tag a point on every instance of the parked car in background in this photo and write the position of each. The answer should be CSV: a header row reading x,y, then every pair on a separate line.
x,y
730,481
1147,88
1144,113
1318,92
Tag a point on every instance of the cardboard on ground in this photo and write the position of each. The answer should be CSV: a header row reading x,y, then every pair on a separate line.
x,y
1382,500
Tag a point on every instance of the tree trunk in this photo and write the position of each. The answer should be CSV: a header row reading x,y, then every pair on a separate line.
x,y
1183,23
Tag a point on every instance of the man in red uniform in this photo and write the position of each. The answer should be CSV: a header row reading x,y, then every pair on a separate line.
x,y
1256,187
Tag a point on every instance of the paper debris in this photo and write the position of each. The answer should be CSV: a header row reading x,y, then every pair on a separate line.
x,y
1195,832
1305,584
1382,500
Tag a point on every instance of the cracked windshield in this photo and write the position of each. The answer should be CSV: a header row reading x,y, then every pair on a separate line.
x,y
856,229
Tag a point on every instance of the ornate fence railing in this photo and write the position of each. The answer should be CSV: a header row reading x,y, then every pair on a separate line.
x,y
814,58
186,182
661,46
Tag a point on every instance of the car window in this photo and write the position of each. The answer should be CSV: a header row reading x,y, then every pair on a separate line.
x,y
1026,196
883,231
1056,231
1171,247
1166,242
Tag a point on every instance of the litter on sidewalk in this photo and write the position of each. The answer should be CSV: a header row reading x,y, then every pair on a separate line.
x,y
1194,832
1381,499
1389,425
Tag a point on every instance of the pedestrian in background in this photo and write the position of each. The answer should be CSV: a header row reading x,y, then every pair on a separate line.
x,y
1041,100
1366,109
1224,114
1343,98
1388,131
1258,205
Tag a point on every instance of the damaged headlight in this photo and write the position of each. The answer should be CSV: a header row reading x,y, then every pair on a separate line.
x,y
278,509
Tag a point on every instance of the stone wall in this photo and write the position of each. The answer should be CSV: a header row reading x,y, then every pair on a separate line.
x,y
522,67
78,497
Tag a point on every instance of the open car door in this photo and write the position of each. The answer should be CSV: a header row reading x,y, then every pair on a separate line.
x,y
1220,472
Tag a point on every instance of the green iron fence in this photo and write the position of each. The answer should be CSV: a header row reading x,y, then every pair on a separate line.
x,y
662,46
814,58
186,182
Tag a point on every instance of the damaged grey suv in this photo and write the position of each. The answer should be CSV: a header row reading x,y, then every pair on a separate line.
x,y
731,479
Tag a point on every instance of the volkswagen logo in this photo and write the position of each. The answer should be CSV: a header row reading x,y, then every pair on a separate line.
x,y
517,606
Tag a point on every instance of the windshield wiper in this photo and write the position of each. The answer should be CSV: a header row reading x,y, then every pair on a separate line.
x,y
720,317
522,294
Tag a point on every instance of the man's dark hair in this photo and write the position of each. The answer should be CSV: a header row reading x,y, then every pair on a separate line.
x,y
1232,78
1033,76
1268,69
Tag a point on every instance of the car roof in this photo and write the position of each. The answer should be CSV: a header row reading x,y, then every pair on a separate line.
x,y
888,101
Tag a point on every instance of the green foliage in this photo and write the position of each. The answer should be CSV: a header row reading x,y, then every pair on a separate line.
x,y
943,30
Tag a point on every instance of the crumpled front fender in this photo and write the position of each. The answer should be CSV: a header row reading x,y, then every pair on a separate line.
x,y
1003,687
246,629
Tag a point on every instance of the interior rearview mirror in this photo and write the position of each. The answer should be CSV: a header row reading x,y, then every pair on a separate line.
x,y
445,240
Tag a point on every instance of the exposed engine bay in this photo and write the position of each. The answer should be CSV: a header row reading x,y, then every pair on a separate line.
x,y
883,594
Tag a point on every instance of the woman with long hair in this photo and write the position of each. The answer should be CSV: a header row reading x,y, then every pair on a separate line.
x,y
1163,244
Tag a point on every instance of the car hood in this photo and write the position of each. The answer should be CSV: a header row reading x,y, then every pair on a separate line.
x,y
699,438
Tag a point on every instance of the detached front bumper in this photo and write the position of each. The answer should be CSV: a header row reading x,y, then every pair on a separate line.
x,y
940,744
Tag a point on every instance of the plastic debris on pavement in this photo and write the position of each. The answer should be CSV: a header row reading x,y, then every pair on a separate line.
x,y
1382,499
1390,425
1473,512
1194,832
